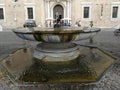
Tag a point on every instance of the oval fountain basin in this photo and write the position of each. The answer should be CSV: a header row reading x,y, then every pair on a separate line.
x,y
60,35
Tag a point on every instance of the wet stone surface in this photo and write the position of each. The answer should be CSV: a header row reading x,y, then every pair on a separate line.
x,y
110,81
88,67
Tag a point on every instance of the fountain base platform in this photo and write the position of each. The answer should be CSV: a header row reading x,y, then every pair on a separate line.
x,y
89,66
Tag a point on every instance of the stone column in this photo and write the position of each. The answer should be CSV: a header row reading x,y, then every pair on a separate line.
x,y
48,8
68,3
68,8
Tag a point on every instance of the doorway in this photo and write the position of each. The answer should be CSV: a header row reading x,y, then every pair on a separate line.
x,y
58,12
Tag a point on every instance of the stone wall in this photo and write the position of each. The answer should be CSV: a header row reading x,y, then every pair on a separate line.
x,y
15,12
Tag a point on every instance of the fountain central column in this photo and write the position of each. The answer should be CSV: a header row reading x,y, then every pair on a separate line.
x,y
56,52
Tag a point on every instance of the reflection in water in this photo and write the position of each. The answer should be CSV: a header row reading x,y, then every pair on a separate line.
x,y
88,67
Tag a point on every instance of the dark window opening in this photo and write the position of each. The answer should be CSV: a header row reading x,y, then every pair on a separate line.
x,y
115,12
1,13
86,12
30,13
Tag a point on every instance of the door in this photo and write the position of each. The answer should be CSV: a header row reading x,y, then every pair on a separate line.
x,y
58,12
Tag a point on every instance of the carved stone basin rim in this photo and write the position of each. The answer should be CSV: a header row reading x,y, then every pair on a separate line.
x,y
63,35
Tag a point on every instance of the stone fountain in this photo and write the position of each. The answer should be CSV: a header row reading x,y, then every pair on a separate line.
x,y
57,58
57,43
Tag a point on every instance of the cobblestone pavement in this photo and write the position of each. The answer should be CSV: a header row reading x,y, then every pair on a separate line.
x,y
104,40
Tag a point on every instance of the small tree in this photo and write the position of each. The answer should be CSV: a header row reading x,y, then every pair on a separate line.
x,y
91,24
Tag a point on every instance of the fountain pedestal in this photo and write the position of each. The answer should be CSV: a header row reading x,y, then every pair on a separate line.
x,y
56,52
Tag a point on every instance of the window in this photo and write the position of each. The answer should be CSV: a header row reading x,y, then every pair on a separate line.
x,y
115,12
1,13
86,12
30,12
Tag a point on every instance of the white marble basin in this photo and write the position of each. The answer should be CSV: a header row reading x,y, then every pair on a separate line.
x,y
60,35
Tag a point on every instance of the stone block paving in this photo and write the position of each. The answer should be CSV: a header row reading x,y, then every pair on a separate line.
x,y
105,40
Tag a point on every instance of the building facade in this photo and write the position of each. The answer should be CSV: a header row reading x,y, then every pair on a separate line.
x,y
104,13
